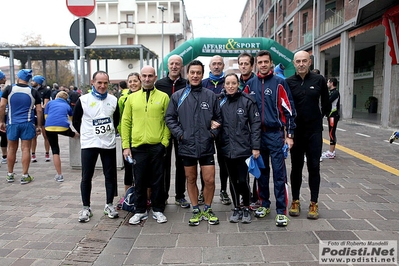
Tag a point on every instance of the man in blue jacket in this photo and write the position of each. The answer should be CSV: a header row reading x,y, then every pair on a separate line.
x,y
277,112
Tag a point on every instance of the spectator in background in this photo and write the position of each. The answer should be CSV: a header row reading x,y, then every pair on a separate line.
x,y
57,115
3,135
20,123
279,71
333,117
170,84
54,90
310,94
215,82
45,94
73,96
245,65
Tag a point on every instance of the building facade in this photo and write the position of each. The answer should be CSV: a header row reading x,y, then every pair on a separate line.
x,y
352,40
145,22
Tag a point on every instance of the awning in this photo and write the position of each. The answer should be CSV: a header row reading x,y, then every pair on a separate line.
x,y
390,20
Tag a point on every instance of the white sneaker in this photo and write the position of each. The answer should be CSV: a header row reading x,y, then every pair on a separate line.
x,y
59,178
85,214
159,217
138,217
328,155
3,160
109,210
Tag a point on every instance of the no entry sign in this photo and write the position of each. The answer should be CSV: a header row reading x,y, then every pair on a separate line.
x,y
81,8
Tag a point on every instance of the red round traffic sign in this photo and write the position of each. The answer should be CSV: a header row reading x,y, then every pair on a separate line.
x,y
81,8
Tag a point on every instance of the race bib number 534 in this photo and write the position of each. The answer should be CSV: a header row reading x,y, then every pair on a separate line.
x,y
102,126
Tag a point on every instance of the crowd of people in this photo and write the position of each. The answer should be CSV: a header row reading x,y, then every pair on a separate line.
x,y
249,121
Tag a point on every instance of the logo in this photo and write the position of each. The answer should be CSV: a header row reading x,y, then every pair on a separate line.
x,y
362,252
311,87
204,106
240,111
93,104
256,113
268,91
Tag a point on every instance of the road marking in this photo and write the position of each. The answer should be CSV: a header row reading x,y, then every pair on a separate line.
x,y
360,134
367,159
340,129
396,143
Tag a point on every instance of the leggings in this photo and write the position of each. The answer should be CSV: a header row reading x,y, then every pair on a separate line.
x,y
239,180
52,137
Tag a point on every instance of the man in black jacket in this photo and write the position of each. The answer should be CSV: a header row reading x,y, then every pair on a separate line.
x,y
193,117
169,84
310,94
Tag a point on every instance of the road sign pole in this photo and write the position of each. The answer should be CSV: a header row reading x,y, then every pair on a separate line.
x,y
82,51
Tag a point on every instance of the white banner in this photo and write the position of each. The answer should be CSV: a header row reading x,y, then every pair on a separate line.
x,y
80,2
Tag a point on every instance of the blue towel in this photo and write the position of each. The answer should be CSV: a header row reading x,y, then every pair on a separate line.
x,y
254,165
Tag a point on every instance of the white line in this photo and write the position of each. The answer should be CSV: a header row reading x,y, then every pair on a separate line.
x,y
396,143
360,134
340,129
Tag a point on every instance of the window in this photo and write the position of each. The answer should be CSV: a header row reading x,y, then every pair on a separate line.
x,y
129,21
304,23
291,29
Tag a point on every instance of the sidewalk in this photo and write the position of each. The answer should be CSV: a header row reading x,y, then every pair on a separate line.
x,y
357,201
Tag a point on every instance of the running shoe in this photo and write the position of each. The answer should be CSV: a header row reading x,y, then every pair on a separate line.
x,y
3,160
393,137
236,216
159,216
295,208
25,179
85,214
47,157
59,178
138,217
182,203
10,178
224,198
281,220
254,205
209,216
33,158
313,211
328,155
201,198
246,216
109,210
262,212
196,218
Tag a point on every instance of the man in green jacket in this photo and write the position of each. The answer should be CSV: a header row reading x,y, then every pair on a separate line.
x,y
144,139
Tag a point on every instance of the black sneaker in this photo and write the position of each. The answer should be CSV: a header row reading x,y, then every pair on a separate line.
x,y
224,198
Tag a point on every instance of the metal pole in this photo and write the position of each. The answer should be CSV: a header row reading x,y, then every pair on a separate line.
x,y
82,51
162,8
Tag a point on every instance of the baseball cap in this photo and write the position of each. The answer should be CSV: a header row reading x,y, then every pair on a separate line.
x,y
25,74
38,79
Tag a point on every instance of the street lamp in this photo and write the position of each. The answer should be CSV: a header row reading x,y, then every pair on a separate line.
x,y
162,8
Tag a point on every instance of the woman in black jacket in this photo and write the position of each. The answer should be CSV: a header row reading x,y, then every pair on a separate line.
x,y
239,139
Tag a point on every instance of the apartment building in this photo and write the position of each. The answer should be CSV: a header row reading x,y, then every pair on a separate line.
x,y
355,41
145,22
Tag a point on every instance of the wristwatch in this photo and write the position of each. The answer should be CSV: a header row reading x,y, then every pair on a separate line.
x,y
290,136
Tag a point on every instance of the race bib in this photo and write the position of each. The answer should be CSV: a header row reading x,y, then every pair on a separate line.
x,y
102,126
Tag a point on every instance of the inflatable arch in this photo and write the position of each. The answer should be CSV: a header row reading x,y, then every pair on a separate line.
x,y
231,47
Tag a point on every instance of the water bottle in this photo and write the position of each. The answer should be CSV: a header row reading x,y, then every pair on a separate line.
x,y
285,150
129,159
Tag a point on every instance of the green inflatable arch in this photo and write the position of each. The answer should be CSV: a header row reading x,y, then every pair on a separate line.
x,y
231,47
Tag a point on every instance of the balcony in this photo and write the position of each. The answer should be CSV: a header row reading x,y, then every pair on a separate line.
x,y
127,28
332,22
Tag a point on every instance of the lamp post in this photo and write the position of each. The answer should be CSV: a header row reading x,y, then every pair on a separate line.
x,y
162,8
